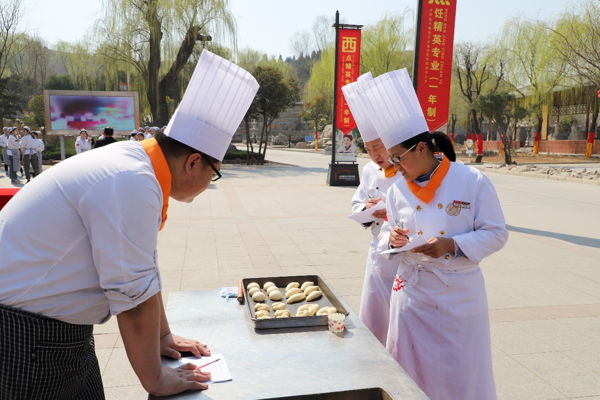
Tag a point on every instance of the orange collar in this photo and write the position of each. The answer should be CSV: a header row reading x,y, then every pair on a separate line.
x,y
390,171
427,192
162,172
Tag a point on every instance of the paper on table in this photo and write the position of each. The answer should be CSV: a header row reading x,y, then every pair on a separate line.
x,y
367,215
218,370
415,241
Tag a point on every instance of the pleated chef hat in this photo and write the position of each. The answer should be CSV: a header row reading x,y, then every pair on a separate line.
x,y
359,112
213,105
393,107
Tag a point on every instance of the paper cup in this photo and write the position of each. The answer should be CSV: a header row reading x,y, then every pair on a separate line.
x,y
335,322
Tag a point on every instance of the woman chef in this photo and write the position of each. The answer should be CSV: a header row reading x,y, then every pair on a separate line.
x,y
439,329
377,176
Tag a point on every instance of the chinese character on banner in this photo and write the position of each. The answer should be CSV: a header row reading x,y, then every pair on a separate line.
x,y
433,71
347,71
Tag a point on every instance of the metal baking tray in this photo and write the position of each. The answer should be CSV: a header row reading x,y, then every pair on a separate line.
x,y
328,299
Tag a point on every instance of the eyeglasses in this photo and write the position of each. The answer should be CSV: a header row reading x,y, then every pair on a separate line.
x,y
216,173
398,159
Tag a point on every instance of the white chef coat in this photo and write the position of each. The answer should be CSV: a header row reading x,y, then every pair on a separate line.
x,y
439,328
97,253
12,144
379,271
3,140
82,145
39,145
28,144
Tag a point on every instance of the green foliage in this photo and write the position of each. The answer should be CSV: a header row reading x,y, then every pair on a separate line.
x,y
59,82
320,83
12,98
318,112
34,116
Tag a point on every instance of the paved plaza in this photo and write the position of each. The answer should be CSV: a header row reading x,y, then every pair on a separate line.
x,y
543,287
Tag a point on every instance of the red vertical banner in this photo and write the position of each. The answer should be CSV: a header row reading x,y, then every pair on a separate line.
x,y
347,71
434,59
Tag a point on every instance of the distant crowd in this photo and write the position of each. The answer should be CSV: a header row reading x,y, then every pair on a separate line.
x,y
21,149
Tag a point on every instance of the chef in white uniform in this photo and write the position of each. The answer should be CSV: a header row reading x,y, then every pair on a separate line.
x,y
97,255
14,154
439,328
377,176
3,148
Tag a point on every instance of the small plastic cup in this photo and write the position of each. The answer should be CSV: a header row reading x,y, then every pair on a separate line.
x,y
335,322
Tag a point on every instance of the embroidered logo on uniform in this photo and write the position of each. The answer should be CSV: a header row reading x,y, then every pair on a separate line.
x,y
398,284
453,209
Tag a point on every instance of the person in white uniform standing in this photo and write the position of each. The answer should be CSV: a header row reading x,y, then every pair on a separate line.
x,y
377,176
4,147
83,142
96,256
14,154
30,159
439,328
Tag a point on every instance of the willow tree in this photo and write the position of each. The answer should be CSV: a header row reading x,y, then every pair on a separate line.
x,y
576,39
532,65
158,37
384,45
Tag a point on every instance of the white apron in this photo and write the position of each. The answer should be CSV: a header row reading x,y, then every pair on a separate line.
x,y
439,327
379,271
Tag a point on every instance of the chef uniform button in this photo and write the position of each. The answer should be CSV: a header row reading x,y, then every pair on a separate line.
x,y
447,256
377,188
33,356
419,208
420,233
376,223
442,232
440,205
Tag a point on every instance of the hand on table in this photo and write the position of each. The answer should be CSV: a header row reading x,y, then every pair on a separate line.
x,y
171,345
398,237
436,247
177,380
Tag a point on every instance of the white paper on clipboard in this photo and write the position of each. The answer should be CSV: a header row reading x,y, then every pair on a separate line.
x,y
415,241
219,372
367,215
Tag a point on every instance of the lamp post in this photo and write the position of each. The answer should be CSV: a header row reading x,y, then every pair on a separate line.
x,y
203,38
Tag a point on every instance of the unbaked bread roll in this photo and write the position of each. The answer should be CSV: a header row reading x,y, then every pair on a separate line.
x,y
282,314
291,292
267,285
261,306
314,295
264,317
275,295
259,297
253,290
292,285
271,288
306,284
307,310
296,298
261,313
253,284
326,310
310,289
278,306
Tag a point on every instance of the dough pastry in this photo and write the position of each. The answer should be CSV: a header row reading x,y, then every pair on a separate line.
x,y
267,284
314,295
282,314
306,284
307,310
292,292
296,298
278,306
271,288
261,313
253,290
253,284
264,317
275,295
261,306
259,297
326,311
292,285
310,289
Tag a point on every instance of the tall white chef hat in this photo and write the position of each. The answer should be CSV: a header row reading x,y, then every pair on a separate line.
x,y
393,107
359,112
214,103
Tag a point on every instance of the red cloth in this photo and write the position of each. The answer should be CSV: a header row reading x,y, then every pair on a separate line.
x,y
590,138
6,194
480,144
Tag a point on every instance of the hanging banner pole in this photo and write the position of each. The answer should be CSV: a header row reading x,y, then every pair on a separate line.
x,y
346,70
432,73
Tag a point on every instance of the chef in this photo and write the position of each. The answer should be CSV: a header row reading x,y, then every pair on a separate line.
x,y
28,147
97,255
439,329
377,176
14,154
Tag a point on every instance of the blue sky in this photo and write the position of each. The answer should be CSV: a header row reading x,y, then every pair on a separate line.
x,y
269,25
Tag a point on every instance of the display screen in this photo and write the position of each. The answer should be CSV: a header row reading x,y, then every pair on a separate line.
x,y
92,112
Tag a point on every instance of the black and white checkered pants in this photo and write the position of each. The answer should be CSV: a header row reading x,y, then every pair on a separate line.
x,y
44,358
